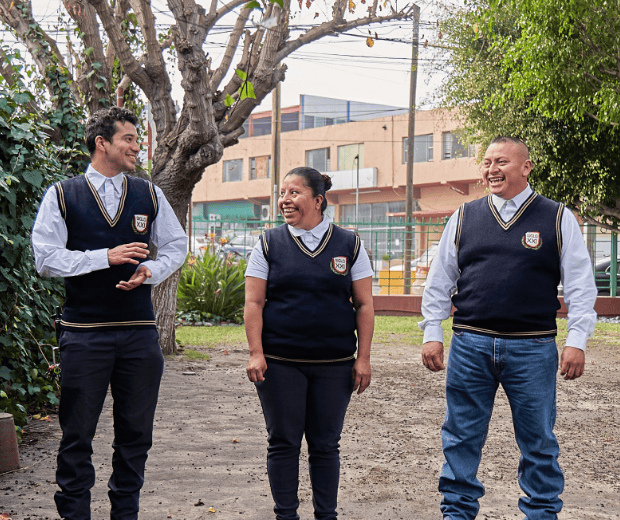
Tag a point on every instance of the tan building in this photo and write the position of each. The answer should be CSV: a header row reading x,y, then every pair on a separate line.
x,y
336,137
444,176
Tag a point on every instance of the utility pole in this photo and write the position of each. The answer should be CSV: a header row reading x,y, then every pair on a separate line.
x,y
357,188
276,129
410,148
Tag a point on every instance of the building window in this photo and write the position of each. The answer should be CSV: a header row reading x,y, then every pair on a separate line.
x,y
232,170
422,148
261,126
260,167
290,121
347,154
453,147
318,159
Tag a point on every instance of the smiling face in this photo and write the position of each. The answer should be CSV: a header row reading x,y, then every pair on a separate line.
x,y
119,155
299,208
505,169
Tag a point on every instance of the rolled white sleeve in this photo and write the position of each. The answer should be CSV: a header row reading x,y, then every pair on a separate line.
x,y
440,284
579,287
257,265
49,244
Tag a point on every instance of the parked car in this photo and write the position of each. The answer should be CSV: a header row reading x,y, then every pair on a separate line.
x,y
198,246
602,276
241,246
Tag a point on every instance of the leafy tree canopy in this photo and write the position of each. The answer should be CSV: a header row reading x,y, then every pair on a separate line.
x,y
566,57
575,155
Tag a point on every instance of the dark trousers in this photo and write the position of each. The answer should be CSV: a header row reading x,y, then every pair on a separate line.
x,y
131,363
310,399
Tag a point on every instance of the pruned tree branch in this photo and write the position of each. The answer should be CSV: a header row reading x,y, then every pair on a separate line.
x,y
337,26
93,71
231,48
17,14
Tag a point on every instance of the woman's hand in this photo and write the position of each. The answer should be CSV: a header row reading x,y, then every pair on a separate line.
x,y
361,374
257,366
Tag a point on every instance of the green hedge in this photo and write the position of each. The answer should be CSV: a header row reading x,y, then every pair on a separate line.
x,y
28,163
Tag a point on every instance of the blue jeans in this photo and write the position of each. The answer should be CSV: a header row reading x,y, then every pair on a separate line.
x,y
526,368
131,363
310,400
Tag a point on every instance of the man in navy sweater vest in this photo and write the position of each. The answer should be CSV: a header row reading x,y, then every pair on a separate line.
x,y
94,230
499,263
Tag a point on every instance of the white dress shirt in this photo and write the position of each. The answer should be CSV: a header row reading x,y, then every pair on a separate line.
x,y
259,268
49,235
576,271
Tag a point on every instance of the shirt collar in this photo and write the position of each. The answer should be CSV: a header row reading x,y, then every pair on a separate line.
x,y
519,199
317,231
98,179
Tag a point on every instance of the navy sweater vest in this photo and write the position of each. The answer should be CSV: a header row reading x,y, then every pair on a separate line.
x,y
92,301
308,314
510,271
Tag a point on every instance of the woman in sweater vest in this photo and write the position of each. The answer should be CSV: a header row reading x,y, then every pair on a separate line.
x,y
309,321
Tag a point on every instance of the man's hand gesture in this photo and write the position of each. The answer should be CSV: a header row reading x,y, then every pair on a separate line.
x,y
138,278
127,253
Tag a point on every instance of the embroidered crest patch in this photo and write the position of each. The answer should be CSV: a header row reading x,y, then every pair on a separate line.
x,y
340,265
140,224
532,240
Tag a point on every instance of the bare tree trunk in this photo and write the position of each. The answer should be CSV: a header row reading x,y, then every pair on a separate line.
x,y
165,307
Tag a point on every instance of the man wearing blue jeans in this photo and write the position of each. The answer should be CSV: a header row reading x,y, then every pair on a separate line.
x,y
499,263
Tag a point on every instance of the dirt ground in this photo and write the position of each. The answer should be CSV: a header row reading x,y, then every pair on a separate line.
x,y
208,458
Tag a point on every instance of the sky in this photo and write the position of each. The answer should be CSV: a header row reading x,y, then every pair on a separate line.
x,y
342,67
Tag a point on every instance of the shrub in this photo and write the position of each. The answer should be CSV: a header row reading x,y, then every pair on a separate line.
x,y
212,287
27,165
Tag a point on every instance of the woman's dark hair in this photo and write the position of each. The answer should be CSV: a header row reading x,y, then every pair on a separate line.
x,y
315,180
103,123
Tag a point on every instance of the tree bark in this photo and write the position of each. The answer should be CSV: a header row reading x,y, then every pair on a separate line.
x,y
165,305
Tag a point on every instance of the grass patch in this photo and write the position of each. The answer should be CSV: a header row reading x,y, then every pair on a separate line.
x,y
210,336
195,355
389,330
404,330
607,333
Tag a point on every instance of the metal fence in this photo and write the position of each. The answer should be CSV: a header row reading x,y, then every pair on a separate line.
x,y
385,243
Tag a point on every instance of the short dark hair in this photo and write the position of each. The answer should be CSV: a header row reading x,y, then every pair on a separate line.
x,y
103,123
509,139
317,182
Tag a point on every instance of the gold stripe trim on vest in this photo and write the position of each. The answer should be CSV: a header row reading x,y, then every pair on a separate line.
x,y
352,356
513,334
265,245
558,228
356,249
459,228
121,204
318,250
106,324
63,204
154,197
507,225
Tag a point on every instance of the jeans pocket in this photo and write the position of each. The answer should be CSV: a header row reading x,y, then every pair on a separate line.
x,y
550,339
